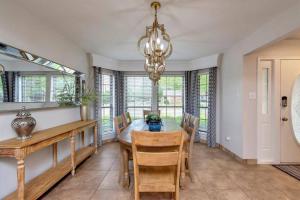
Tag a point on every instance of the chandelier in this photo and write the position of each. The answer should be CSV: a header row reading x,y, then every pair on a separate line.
x,y
156,46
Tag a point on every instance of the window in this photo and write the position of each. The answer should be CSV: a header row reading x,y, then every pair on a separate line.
x,y
107,102
1,90
138,94
31,88
170,94
203,107
60,83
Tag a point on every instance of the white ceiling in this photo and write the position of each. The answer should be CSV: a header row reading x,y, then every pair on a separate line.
x,y
197,27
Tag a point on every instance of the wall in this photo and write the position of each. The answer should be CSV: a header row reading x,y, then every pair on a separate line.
x,y
22,30
172,65
233,125
281,49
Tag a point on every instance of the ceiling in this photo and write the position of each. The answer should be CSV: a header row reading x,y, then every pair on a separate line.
x,y
197,27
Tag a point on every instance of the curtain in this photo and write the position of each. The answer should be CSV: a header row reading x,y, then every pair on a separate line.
x,y
192,95
9,85
119,92
77,88
98,88
212,100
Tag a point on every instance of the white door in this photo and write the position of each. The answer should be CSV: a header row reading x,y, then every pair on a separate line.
x,y
290,124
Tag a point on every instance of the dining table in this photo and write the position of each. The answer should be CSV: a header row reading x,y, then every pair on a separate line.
x,y
126,150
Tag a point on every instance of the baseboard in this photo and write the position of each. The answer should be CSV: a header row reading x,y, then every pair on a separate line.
x,y
236,157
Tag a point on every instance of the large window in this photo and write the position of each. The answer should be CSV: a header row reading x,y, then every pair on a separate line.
x,y
31,88
138,93
1,90
203,107
170,94
61,83
107,102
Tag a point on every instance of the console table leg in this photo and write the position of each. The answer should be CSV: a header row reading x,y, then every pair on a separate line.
x,y
96,138
21,179
54,154
82,138
73,154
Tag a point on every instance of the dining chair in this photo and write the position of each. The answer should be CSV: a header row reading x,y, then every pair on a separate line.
x,y
185,119
127,118
119,124
191,129
156,159
147,112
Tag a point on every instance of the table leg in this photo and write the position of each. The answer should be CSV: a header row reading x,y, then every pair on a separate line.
x,y
183,170
54,154
96,138
21,179
82,138
125,166
73,154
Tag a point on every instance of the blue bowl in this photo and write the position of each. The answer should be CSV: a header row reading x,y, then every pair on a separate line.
x,y
154,126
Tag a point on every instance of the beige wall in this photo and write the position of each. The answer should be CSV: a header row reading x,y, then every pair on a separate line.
x,y
284,48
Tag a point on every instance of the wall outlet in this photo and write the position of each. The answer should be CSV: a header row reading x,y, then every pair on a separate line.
x,y
227,138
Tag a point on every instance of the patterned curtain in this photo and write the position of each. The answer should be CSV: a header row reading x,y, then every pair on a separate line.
x,y
77,88
98,88
212,99
192,95
119,92
9,82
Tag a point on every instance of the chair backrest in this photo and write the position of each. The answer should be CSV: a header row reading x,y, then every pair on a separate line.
x,y
185,119
127,118
157,155
191,129
147,112
119,124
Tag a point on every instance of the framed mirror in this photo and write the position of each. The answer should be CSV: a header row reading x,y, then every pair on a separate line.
x,y
35,82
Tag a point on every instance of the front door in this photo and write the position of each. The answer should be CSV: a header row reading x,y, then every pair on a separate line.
x,y
290,111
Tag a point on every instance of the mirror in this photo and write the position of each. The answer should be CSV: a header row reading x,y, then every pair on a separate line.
x,y
29,79
295,109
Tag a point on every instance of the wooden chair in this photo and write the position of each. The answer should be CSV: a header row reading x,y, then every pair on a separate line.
x,y
127,118
157,159
185,119
191,128
147,112
119,124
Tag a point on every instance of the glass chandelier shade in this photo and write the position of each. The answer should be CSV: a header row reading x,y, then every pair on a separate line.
x,y
156,46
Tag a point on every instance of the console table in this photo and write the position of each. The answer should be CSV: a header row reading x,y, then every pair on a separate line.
x,y
19,150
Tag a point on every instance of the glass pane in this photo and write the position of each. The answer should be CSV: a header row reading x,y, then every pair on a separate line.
x,y
60,84
170,96
32,88
295,109
107,104
138,94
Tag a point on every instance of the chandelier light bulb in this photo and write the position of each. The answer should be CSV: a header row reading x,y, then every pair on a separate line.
x,y
162,47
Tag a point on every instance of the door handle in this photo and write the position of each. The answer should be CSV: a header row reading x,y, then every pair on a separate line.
x,y
285,119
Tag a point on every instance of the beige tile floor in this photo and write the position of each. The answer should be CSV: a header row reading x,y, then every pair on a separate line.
x,y
217,177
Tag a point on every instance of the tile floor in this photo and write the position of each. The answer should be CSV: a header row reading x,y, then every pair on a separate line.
x,y
217,177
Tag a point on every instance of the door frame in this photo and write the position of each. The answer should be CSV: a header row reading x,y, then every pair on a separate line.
x,y
273,155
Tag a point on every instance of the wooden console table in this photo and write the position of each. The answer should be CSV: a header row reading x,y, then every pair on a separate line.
x,y
21,149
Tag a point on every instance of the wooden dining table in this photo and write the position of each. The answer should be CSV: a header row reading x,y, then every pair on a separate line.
x,y
126,151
